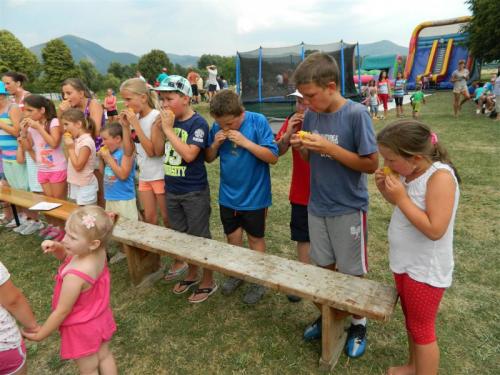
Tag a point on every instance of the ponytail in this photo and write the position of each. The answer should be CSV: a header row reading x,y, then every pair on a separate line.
x,y
441,154
17,77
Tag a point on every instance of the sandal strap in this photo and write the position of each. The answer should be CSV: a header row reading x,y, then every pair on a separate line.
x,y
203,290
187,282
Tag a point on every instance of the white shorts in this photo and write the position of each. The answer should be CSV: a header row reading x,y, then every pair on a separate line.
x,y
84,195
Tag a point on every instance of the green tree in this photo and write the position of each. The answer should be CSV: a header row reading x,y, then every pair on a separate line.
x,y
117,70
484,30
58,65
110,81
180,70
226,65
151,63
90,76
14,56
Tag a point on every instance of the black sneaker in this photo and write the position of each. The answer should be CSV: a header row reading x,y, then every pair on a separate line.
x,y
293,298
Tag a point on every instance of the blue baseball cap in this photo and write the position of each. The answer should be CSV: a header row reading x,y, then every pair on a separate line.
x,y
175,83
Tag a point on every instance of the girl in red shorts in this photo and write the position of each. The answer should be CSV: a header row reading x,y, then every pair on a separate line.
x,y
420,180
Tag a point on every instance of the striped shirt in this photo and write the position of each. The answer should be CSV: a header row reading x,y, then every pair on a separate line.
x,y
399,87
8,143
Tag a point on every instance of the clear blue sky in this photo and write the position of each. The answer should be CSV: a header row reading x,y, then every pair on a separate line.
x,y
220,26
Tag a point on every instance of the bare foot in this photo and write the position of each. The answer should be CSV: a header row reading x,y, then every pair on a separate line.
x,y
401,370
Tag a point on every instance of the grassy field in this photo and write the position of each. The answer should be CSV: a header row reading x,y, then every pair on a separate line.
x,y
161,333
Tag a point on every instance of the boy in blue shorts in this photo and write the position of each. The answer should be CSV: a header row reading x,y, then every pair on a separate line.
x,y
182,140
341,150
245,144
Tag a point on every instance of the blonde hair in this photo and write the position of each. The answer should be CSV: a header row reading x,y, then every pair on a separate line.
x,y
75,115
138,86
101,228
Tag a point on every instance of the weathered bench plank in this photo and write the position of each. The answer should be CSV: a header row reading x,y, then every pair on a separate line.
x,y
25,199
343,292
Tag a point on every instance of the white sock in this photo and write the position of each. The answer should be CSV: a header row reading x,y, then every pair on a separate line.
x,y
361,321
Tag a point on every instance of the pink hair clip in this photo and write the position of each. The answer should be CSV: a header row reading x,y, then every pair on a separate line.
x,y
434,138
89,221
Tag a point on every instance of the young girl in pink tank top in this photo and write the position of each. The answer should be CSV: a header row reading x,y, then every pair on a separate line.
x,y
80,304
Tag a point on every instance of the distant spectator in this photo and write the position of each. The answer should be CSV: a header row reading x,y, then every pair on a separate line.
x,y
220,84
224,83
459,78
212,81
161,76
110,106
496,92
14,84
193,77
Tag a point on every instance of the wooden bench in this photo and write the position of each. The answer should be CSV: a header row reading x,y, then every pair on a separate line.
x,y
339,295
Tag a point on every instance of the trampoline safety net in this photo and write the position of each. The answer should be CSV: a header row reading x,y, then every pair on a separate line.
x,y
273,68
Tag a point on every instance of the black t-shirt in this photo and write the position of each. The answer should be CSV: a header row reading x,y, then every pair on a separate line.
x,y
182,177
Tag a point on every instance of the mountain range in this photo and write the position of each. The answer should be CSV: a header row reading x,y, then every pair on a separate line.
x,y
102,57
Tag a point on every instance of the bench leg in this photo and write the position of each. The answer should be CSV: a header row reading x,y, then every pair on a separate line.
x,y
14,213
333,336
144,267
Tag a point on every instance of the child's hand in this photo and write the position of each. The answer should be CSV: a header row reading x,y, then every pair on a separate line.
x,y
294,123
296,142
48,246
237,138
34,329
64,106
32,336
68,141
316,143
35,125
104,153
394,189
380,179
123,120
220,137
167,120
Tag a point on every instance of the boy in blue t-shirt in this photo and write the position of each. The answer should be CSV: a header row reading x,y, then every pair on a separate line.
x,y
245,144
341,149
183,139
118,169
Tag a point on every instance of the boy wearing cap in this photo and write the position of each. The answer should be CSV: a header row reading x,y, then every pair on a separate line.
x,y
183,140
299,187
245,144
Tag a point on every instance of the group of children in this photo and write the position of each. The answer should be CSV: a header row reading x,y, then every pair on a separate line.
x,y
379,92
171,145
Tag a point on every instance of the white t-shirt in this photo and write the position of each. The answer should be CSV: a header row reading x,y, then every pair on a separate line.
x,y
150,168
212,76
410,251
10,337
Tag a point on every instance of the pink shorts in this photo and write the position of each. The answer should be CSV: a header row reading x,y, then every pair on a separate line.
x,y
157,186
52,177
12,360
420,304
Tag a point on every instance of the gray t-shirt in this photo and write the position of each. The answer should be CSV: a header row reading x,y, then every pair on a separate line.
x,y
336,189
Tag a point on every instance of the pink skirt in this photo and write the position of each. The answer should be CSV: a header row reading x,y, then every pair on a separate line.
x,y
82,340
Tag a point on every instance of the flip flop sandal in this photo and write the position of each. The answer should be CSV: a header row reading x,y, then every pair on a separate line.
x,y
207,291
172,275
185,286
